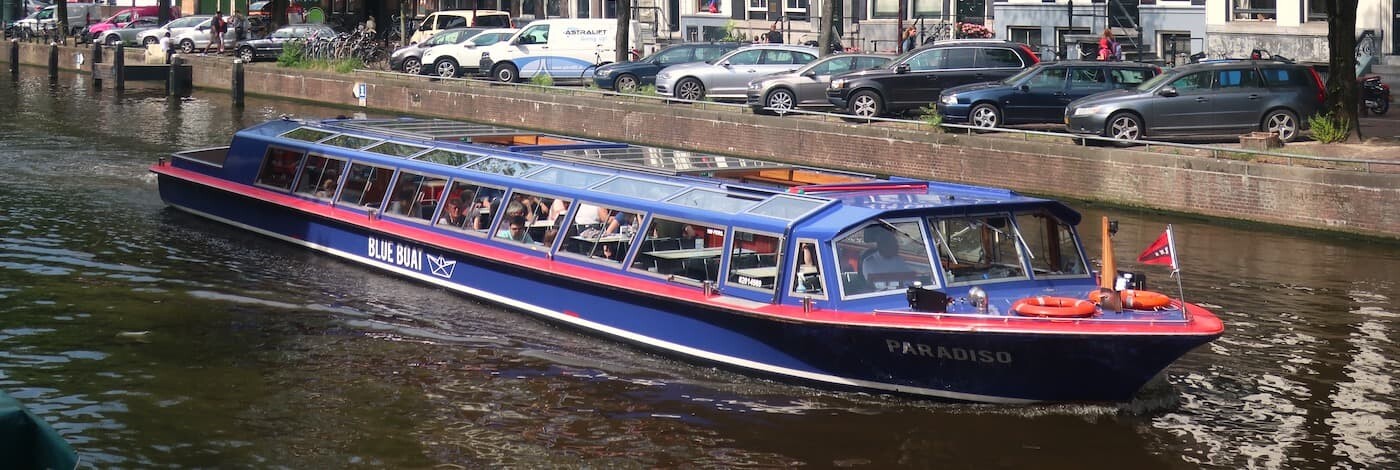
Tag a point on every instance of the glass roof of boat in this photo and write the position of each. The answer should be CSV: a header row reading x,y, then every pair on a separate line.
x,y
433,129
503,166
659,160
714,200
447,157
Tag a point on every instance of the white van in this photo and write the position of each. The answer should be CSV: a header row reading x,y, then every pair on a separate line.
x,y
80,16
565,49
444,20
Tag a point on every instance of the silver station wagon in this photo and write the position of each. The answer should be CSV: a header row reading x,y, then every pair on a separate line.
x,y
727,77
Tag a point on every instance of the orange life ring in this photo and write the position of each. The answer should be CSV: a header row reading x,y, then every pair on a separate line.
x,y
1053,307
1136,299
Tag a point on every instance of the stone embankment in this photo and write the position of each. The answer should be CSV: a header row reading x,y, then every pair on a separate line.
x,y
1351,198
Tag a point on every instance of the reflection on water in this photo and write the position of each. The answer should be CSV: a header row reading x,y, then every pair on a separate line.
x,y
151,338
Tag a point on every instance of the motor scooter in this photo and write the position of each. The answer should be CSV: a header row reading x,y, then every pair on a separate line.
x,y
1375,96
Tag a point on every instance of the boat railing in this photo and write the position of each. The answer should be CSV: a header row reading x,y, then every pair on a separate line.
x,y
213,156
1010,317
905,125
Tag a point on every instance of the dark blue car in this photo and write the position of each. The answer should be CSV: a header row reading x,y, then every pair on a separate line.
x,y
1038,94
628,76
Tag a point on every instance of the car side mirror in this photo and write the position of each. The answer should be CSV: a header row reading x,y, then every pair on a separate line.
x,y
1167,91
810,74
901,68
1025,88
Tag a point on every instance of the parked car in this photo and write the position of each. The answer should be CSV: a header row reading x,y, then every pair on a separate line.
x,y
1217,98
915,79
199,38
1039,93
565,49
80,15
409,58
174,27
628,76
463,58
806,87
445,20
121,18
127,34
727,78
271,46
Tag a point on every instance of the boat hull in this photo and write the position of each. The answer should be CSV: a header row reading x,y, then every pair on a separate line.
x,y
956,362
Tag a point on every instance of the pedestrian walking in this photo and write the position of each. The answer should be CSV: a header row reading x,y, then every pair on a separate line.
x,y
907,40
1108,46
238,25
217,27
775,36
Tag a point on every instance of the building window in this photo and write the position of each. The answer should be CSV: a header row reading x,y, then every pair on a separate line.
x,y
708,6
1029,36
928,8
1176,47
797,5
1317,10
758,4
1256,10
884,9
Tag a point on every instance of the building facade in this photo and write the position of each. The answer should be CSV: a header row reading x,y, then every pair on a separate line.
x,y
1292,28
1164,31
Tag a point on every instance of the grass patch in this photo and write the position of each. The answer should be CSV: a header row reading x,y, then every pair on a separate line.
x,y
929,115
646,90
542,79
294,56
1329,129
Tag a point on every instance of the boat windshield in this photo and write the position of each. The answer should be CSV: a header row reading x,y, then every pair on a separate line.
x,y
884,257
977,249
1051,245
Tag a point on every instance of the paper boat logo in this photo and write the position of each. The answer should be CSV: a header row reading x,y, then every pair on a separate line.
x,y
441,266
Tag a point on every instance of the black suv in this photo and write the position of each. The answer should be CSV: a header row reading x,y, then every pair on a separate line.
x,y
914,79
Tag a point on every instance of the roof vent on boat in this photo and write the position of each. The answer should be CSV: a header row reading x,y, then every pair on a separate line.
x,y
875,186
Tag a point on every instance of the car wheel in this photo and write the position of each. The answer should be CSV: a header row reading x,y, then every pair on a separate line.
x,y
411,65
187,46
246,54
867,104
1125,126
505,73
626,83
445,68
984,115
1284,122
149,41
780,101
112,40
690,89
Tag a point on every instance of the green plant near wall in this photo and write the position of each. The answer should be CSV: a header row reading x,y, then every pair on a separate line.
x,y
1328,129
929,115
542,79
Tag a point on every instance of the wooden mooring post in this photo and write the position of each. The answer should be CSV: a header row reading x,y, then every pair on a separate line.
x,y
14,56
175,85
236,83
53,61
119,67
96,60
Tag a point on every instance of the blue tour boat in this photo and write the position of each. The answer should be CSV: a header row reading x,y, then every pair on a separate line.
x,y
827,277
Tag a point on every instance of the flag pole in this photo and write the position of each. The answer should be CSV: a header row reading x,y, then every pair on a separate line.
x,y
1176,268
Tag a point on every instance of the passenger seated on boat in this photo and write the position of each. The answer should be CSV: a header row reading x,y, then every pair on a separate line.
x,y
403,203
515,231
590,215
327,188
883,260
453,214
481,213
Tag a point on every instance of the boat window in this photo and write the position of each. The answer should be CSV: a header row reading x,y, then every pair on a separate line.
x,y
502,166
786,207
753,260
307,134
567,177
883,257
538,218
415,195
713,200
446,157
682,249
977,249
601,233
1053,251
365,185
469,207
279,167
349,141
807,265
637,188
396,149
320,176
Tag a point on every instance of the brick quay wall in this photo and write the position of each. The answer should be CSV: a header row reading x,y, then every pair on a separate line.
x,y
1355,202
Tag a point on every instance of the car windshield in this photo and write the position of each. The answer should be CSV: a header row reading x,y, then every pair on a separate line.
x,y
1157,80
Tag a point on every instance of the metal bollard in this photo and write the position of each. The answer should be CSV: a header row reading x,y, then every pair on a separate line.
x,y
53,60
119,67
96,60
174,83
14,56
236,83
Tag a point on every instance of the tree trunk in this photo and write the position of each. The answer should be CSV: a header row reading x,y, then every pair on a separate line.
x,y
624,30
1342,90
164,15
60,16
824,32
279,15
540,12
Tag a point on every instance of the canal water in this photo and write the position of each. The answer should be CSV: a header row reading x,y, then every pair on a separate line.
x,y
151,338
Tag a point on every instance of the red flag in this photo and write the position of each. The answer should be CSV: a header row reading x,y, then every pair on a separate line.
x,y
1162,251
